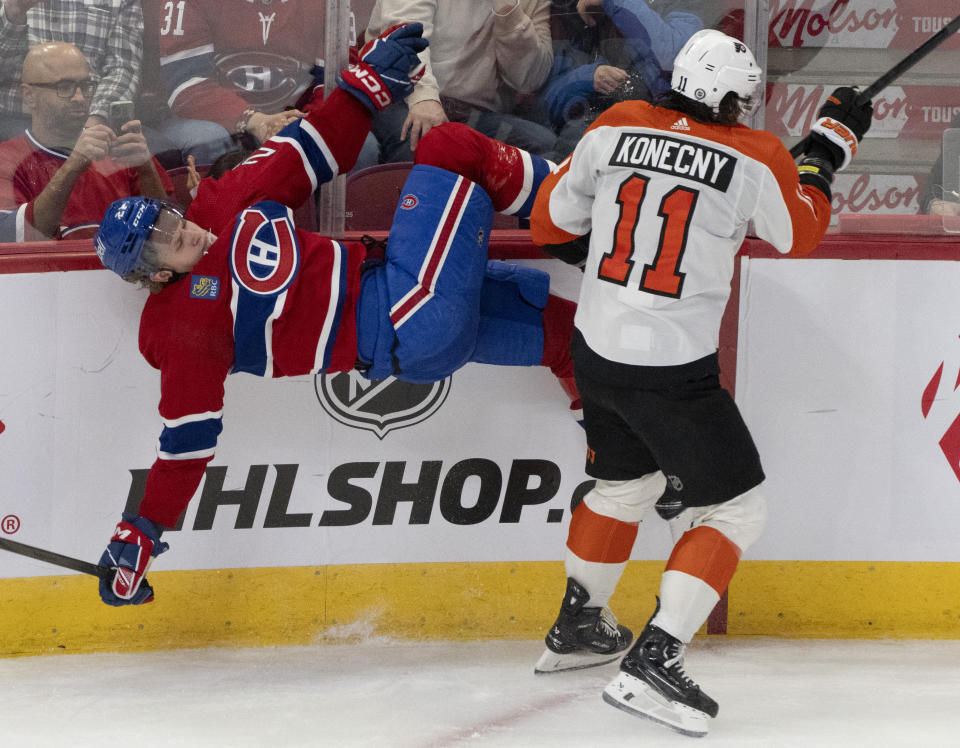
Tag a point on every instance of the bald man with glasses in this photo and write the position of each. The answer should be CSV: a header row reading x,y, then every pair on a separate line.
x,y
58,177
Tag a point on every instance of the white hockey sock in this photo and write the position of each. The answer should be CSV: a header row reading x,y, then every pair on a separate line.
x,y
599,579
685,603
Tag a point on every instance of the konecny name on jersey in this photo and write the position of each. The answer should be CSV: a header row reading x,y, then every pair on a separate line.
x,y
683,158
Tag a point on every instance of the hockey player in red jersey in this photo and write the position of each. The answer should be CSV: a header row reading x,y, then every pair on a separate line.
x,y
657,199
238,288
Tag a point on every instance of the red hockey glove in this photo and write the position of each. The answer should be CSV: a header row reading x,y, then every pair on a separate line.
x,y
388,67
135,542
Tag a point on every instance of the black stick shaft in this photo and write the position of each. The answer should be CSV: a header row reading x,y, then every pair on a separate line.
x,y
896,71
55,558
911,59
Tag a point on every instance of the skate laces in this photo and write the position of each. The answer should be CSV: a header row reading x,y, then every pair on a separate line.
x,y
674,663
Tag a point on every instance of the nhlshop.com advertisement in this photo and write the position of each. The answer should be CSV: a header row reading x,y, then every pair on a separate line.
x,y
331,469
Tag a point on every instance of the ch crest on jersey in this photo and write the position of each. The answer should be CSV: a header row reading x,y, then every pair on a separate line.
x,y
267,79
264,254
378,405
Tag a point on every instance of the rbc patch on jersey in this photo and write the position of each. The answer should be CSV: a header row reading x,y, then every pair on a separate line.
x,y
409,202
204,287
264,252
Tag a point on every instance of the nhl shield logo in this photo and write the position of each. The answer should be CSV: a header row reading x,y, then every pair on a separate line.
x,y
378,405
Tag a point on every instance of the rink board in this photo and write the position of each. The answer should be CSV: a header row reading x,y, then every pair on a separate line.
x,y
451,524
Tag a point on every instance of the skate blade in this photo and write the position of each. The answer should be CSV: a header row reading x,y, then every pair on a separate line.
x,y
551,662
632,695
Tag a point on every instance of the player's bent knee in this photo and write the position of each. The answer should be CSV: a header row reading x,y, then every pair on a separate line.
x,y
741,519
450,146
626,500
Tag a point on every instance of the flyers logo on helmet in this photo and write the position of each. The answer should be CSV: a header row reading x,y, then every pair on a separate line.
x,y
264,254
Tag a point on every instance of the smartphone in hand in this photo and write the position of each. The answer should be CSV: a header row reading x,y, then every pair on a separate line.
x,y
120,113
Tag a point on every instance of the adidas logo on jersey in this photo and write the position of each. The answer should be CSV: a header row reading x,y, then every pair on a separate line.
x,y
681,124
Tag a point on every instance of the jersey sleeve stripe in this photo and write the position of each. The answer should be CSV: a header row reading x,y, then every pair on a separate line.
x,y
192,418
184,54
331,321
325,155
189,440
317,169
198,455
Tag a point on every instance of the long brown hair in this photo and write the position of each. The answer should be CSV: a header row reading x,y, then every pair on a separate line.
x,y
730,110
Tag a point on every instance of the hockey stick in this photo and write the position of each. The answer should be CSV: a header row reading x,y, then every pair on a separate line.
x,y
896,71
57,559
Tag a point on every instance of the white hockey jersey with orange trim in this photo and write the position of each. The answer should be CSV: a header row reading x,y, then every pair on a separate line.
x,y
668,200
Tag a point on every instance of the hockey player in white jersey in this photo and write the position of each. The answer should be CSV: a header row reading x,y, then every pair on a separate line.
x,y
655,202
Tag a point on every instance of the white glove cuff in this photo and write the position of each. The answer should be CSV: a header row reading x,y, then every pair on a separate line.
x,y
838,134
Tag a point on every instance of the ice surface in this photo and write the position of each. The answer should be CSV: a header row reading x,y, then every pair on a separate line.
x,y
426,695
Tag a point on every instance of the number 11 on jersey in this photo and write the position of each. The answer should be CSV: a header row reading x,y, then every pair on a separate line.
x,y
662,276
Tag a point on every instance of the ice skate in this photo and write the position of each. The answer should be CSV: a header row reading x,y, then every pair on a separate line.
x,y
582,636
653,685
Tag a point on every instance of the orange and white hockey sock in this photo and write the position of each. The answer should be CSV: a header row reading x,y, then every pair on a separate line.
x,y
598,548
699,570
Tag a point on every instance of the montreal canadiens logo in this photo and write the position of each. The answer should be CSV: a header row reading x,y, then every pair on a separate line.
x,y
378,405
409,202
265,255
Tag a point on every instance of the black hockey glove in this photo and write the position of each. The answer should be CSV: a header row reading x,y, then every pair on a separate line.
x,y
843,120
388,67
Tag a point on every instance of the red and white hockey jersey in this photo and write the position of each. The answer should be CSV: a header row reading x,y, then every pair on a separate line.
x,y
267,299
668,200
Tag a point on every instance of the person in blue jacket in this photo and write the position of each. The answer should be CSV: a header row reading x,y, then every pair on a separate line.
x,y
607,51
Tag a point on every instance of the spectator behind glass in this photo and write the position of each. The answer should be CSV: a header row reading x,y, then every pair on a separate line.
x,y
607,51
110,35
223,164
482,54
248,73
934,200
58,177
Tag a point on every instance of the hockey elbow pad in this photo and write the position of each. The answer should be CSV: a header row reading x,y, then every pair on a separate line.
x,y
573,252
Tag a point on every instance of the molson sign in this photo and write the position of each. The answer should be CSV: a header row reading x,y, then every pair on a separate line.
x,y
898,111
876,194
864,24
